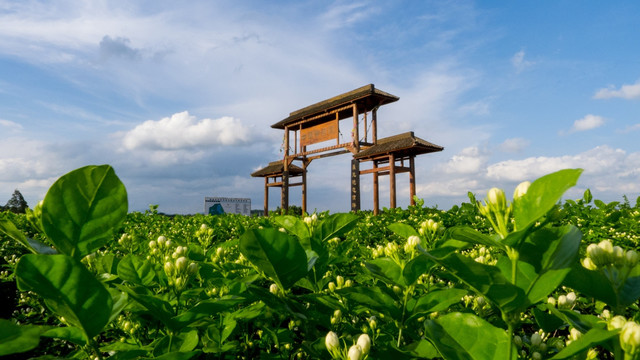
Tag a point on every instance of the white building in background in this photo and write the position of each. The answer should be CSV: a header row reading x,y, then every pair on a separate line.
x,y
225,205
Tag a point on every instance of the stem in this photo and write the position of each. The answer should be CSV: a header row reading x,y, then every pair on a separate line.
x,y
510,343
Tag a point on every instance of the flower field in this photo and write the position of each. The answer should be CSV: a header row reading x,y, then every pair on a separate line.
x,y
529,277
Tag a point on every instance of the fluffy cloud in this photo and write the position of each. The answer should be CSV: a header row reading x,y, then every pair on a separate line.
x,y
514,145
183,131
588,122
518,61
9,126
469,160
628,92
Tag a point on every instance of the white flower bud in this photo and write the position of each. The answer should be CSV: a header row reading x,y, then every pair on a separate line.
x,y
192,269
619,258
314,217
339,281
332,342
631,258
365,343
162,240
571,298
332,286
589,264
496,198
152,244
169,268
273,288
181,264
521,189
562,301
354,353
630,338
536,339
617,322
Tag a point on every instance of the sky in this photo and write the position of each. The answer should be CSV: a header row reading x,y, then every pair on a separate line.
x,y
179,97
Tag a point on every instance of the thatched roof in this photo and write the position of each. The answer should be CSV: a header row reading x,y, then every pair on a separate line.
x,y
401,145
277,168
367,98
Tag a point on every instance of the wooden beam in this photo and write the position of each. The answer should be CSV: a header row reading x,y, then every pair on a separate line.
x,y
310,158
385,170
355,132
304,186
374,125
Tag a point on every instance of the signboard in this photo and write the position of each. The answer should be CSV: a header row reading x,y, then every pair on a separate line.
x,y
225,205
319,133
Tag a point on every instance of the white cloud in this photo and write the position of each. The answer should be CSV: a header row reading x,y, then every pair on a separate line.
x,y
588,122
601,160
514,145
183,131
518,61
9,126
628,92
469,160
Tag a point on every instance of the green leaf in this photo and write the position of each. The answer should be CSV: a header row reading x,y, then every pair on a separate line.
x,y
587,197
466,336
403,230
18,338
295,226
278,255
8,228
435,300
335,225
373,298
542,195
415,268
84,209
585,342
546,258
485,279
72,334
68,288
205,309
473,236
547,322
387,270
136,270
591,283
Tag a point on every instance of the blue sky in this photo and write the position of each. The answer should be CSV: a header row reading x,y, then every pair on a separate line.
x,y
179,96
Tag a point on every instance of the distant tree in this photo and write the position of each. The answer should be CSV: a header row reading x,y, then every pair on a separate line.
x,y
16,204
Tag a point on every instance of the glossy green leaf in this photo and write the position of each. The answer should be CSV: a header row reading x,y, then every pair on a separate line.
x,y
72,334
8,228
336,225
84,209
473,236
387,270
465,336
373,298
546,321
136,270
18,338
294,225
542,195
485,279
585,342
205,309
416,267
592,283
435,300
546,258
279,255
68,288
403,230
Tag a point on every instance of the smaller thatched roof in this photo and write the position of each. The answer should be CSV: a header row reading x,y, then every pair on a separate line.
x,y
277,168
401,145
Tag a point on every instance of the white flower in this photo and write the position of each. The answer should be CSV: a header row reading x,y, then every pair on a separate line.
x,y
332,342
521,189
364,342
354,352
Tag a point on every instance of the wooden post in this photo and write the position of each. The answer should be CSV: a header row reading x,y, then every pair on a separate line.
x,y
304,184
356,134
374,125
266,196
365,126
355,185
376,201
412,179
284,201
392,181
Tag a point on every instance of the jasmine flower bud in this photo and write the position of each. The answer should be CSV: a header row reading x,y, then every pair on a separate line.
x,y
354,353
332,342
521,189
364,342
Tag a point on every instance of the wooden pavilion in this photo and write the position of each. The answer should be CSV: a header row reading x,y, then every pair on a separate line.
x,y
313,132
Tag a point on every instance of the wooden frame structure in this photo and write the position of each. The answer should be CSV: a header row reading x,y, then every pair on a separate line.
x,y
308,133
394,151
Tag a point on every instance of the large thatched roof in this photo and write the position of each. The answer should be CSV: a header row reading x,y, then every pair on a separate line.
x,y
401,145
367,98
276,168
